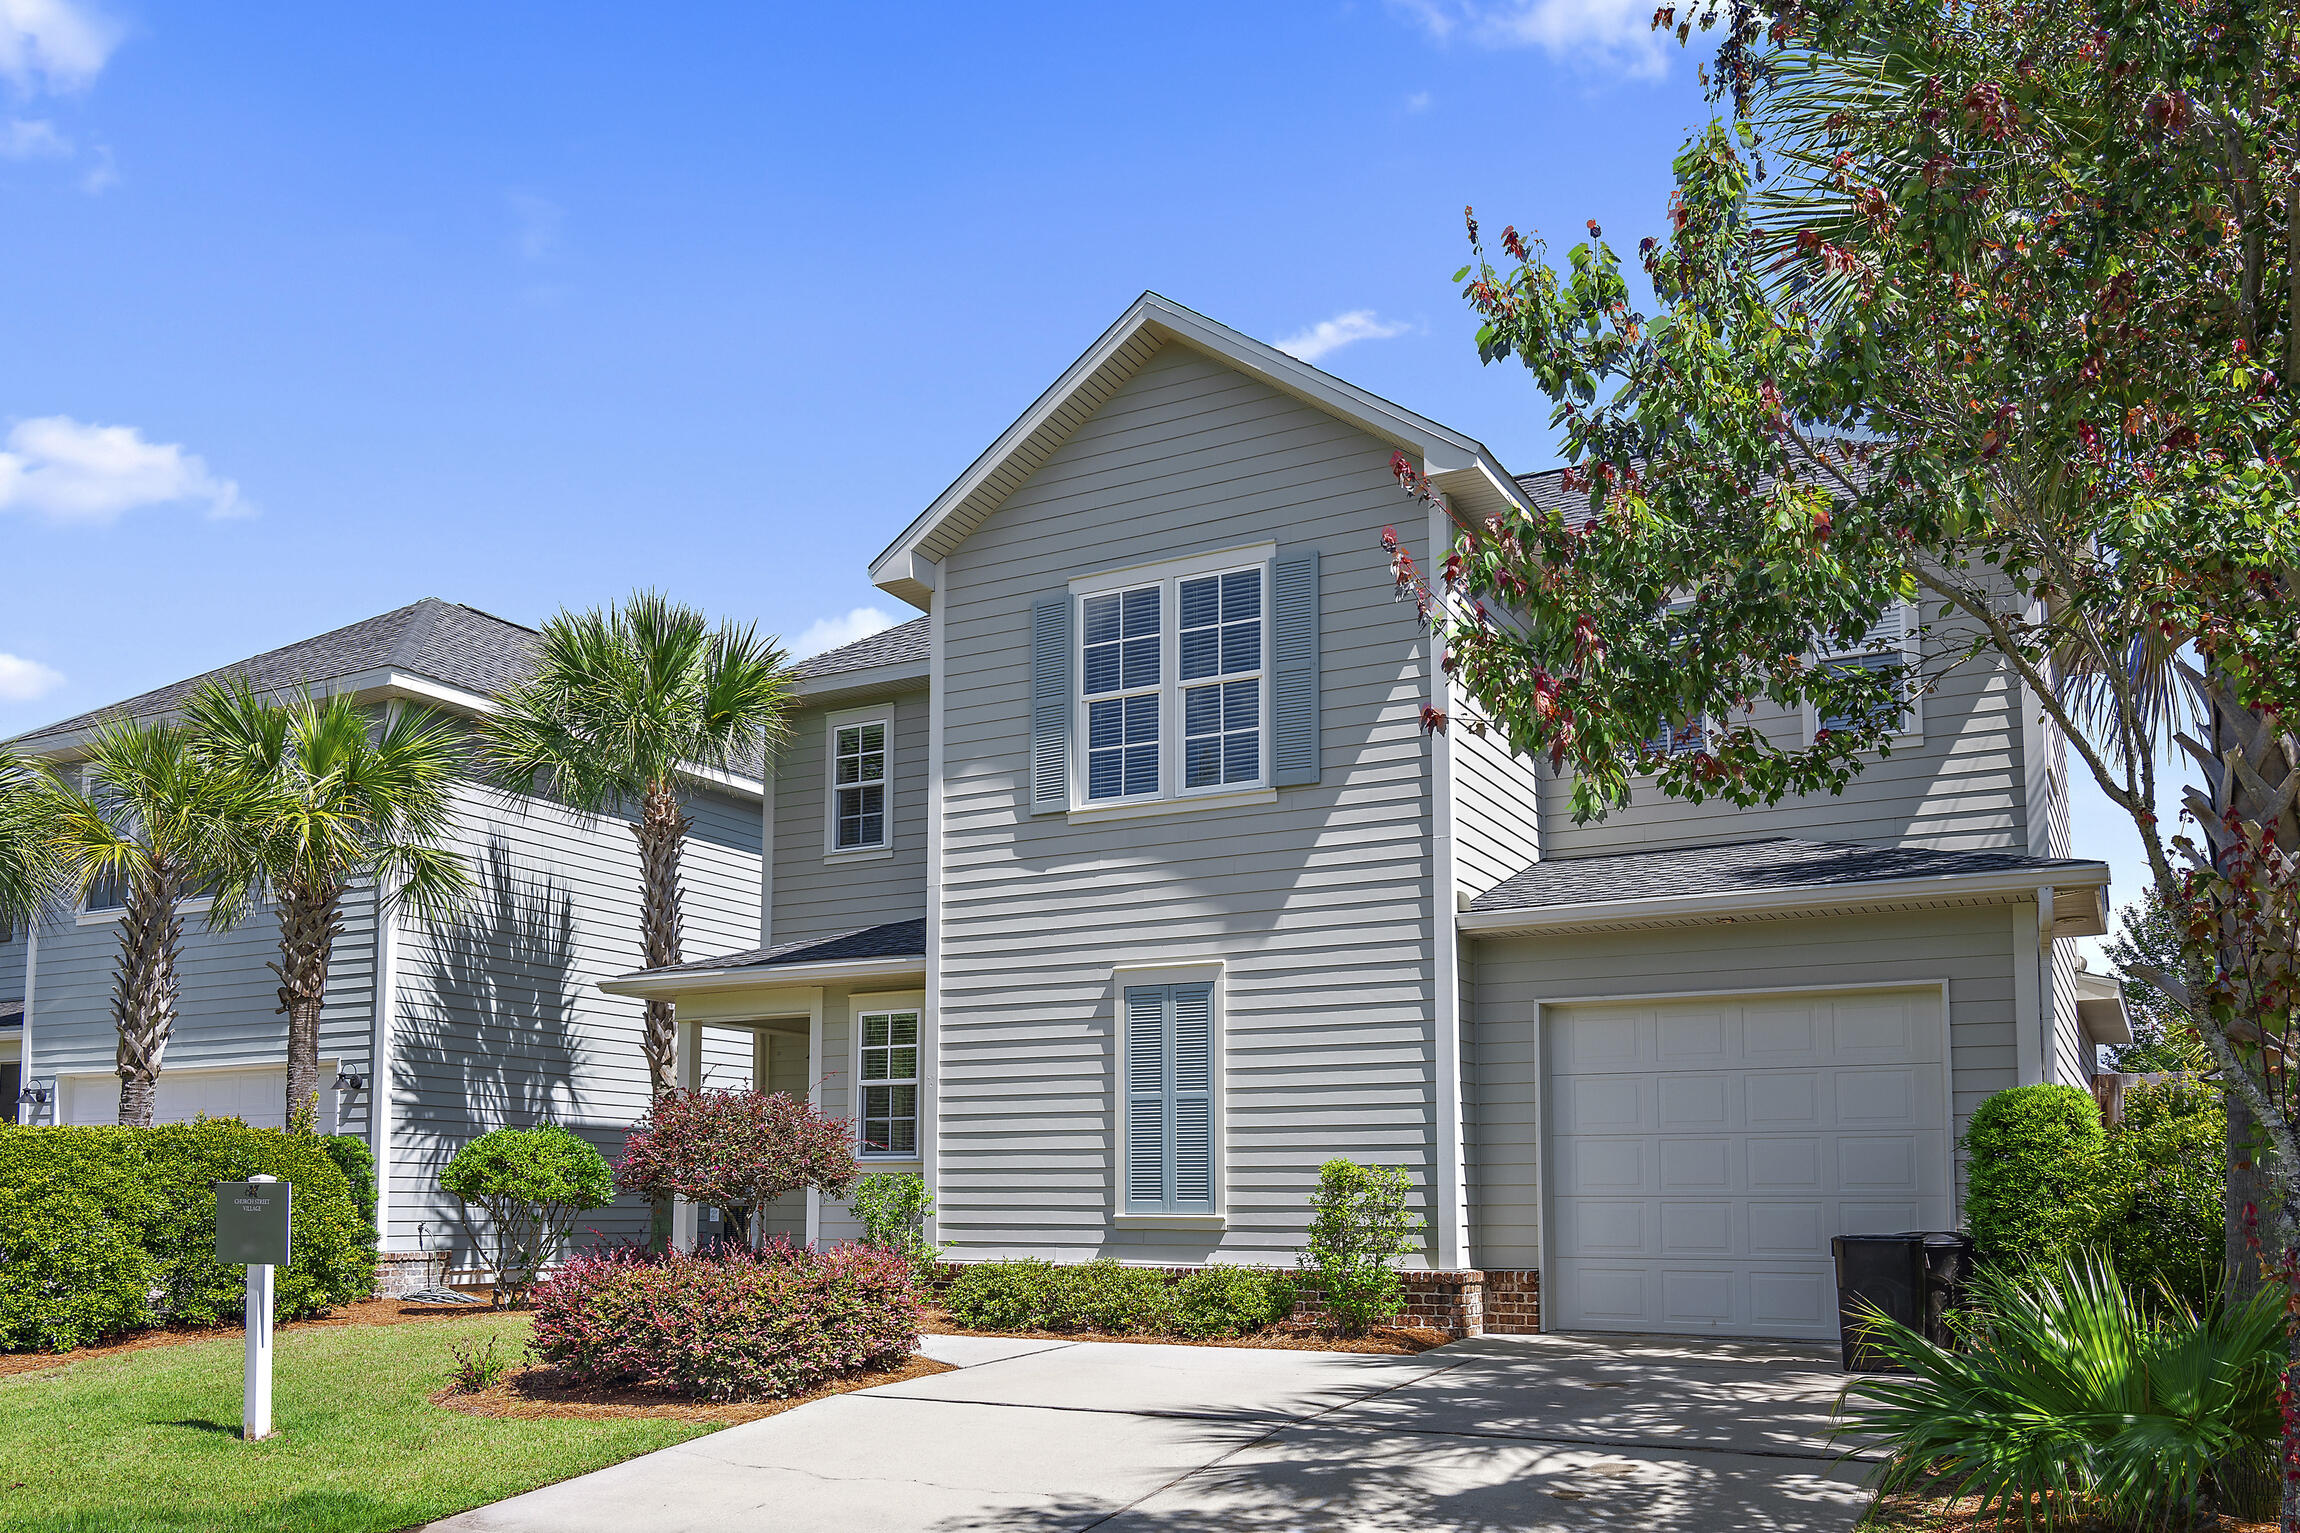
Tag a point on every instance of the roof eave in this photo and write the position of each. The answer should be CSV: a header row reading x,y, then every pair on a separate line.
x,y
763,976
1806,899
869,678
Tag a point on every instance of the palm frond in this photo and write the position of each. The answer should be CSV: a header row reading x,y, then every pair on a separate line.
x,y
32,873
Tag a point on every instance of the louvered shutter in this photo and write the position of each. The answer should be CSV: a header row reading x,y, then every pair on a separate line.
x,y
1050,704
1192,1099
1147,1163
1294,678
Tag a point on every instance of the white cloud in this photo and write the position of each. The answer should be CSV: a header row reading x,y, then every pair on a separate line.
x,y
53,45
830,632
1333,334
33,139
1419,101
1613,34
61,469
26,681
102,176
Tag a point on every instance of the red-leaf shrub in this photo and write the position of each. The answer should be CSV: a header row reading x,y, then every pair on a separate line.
x,y
732,1326
736,1150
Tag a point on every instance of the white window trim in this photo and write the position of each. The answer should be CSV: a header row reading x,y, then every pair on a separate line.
x,y
1175,973
1912,651
858,1007
1168,576
832,724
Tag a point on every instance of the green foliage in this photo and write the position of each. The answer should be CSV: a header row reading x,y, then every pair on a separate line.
x,y
357,1163
2033,1176
2079,1398
531,1184
2164,1037
2166,1170
81,1199
1231,1301
31,873
1002,1296
1110,1298
1359,1227
893,1208
479,1364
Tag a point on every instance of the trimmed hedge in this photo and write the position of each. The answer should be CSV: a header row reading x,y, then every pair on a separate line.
x,y
79,1200
1117,1300
729,1326
357,1163
2033,1189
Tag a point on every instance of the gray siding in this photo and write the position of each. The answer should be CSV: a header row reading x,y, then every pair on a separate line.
x,y
227,1012
1318,903
816,893
499,1021
1970,947
1497,806
1963,786
17,943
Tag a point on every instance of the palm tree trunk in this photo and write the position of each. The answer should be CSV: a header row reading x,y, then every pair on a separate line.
x,y
144,992
311,918
662,832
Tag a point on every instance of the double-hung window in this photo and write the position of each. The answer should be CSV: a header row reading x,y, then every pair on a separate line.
x,y
889,1070
1691,736
859,784
1889,644
1168,1063
1173,696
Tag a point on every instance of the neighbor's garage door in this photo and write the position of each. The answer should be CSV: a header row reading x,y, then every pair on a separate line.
x,y
258,1095
1703,1152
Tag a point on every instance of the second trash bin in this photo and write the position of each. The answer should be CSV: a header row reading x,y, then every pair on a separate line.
x,y
1914,1278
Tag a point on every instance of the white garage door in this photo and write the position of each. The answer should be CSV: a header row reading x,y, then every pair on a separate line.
x,y
1703,1152
257,1095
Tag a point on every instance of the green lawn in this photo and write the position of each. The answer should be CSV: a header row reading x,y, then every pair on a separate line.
x,y
140,1442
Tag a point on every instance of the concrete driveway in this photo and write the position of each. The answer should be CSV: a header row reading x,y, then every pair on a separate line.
x,y
1515,1433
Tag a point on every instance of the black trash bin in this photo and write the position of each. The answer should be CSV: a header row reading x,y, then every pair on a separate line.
x,y
1948,1268
1914,1278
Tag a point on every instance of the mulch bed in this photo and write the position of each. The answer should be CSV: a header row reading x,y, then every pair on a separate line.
x,y
366,1312
531,1394
1919,1514
1387,1341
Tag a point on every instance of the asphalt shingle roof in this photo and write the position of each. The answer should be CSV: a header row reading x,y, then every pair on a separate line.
x,y
440,641
895,939
1741,867
11,1013
901,644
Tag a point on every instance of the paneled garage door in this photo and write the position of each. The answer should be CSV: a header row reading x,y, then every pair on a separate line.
x,y
1703,1152
258,1095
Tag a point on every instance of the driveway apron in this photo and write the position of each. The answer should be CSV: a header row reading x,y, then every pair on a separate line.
x,y
1502,1433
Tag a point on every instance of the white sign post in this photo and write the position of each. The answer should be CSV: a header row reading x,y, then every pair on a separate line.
x,y
253,1229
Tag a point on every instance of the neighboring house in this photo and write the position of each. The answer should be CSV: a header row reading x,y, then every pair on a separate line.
x,y
430,1035
1125,887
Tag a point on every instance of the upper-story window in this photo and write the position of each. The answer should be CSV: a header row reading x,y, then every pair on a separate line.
x,y
1172,695
1890,642
860,750
1694,735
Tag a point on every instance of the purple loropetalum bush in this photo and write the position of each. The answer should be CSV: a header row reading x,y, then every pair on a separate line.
x,y
736,1150
730,1326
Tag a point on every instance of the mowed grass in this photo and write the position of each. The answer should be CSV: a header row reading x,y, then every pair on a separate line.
x,y
148,1442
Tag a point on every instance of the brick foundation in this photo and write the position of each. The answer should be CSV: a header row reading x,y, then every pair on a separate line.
x,y
403,1272
1513,1303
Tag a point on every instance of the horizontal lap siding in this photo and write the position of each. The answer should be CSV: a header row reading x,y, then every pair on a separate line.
x,y
1318,903
1497,801
1964,786
227,1009
816,896
500,1021
1970,947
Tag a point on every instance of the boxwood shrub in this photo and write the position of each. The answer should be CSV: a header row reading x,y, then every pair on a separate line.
x,y
2033,1175
730,1325
1116,1300
80,1198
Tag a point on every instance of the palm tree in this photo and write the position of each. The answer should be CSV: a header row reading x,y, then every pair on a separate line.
x,y
158,822
622,705
31,875
344,801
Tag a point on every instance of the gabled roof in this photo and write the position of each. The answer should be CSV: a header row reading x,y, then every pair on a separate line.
x,y
1471,477
903,644
890,949
445,642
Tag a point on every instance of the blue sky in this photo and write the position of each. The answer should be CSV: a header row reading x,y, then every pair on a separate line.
x,y
313,310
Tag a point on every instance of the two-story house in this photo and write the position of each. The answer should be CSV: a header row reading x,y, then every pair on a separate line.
x,y
431,1035
1125,887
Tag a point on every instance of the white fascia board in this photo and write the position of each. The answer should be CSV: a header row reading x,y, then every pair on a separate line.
x,y
867,679
896,569
774,977
1812,899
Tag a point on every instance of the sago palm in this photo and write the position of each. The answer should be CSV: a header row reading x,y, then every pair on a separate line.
x,y
346,798
623,704
160,822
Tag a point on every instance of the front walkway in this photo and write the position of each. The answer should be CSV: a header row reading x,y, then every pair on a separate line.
x,y
1502,1433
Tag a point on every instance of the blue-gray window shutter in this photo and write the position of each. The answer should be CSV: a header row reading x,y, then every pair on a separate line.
x,y
1050,704
1170,1098
1294,669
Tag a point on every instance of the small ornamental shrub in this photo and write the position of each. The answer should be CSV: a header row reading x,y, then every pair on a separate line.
x,y
1112,1299
2167,1168
70,1274
357,1163
1231,1301
1359,1227
737,1151
893,1207
731,1326
532,1184
478,1366
2035,1179
156,1188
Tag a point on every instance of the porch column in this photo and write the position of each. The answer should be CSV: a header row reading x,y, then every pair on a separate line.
x,y
683,1220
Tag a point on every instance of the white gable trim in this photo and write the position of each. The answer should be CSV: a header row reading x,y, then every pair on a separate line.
x,y
1459,465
